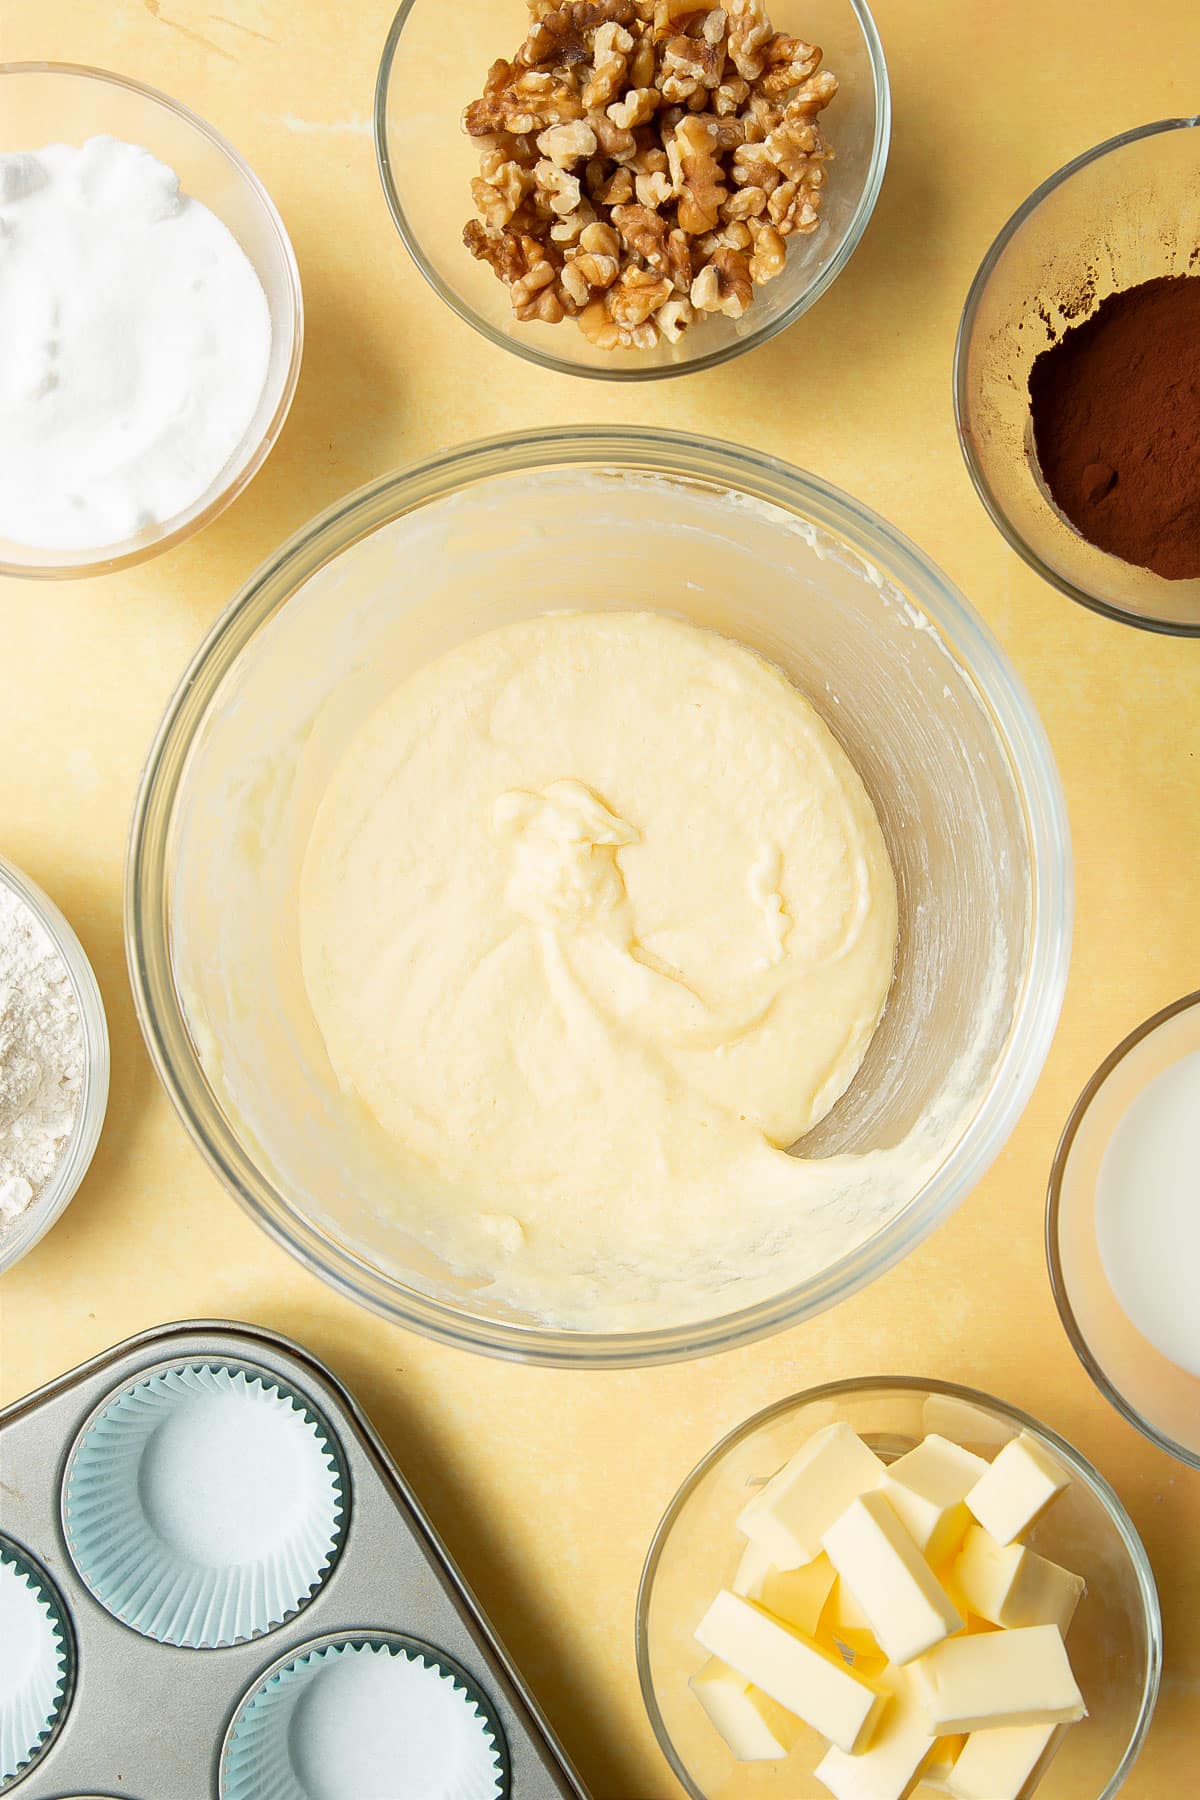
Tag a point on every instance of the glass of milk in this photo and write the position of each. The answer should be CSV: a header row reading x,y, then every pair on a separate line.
x,y
1123,1228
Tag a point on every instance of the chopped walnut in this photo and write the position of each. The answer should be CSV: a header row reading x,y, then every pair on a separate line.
x,y
611,48
639,104
732,94
745,203
571,229
583,276
567,144
598,324
692,154
618,190
664,250
499,192
788,63
521,103
561,188
645,162
749,33
694,65
674,316
770,253
638,294
724,285
653,190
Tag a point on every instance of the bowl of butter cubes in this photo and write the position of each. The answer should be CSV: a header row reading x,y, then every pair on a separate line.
x,y
888,1588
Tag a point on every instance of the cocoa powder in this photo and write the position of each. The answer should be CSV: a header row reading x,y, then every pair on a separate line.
x,y
1116,425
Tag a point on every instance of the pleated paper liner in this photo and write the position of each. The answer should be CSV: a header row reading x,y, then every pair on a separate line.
x,y
365,1716
35,1660
205,1505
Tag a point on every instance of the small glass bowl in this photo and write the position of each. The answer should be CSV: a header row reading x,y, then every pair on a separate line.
x,y
80,1147
1126,212
1156,1396
1115,1642
428,75
42,103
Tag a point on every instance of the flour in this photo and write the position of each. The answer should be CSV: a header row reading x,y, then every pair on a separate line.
x,y
135,339
41,1057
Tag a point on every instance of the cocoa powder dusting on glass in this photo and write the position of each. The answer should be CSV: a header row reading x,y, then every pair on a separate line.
x,y
1116,424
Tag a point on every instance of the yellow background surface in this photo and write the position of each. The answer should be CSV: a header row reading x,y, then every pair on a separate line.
x,y
548,1485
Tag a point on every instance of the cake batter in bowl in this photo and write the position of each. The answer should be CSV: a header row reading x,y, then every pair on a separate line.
x,y
250,920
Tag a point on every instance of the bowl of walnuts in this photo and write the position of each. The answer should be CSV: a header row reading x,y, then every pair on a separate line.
x,y
629,189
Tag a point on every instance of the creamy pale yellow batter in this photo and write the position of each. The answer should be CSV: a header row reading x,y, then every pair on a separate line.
x,y
596,919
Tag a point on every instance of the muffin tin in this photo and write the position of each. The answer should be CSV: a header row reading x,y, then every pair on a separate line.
x,y
147,1495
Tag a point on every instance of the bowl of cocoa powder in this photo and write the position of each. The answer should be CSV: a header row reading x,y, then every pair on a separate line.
x,y
1077,379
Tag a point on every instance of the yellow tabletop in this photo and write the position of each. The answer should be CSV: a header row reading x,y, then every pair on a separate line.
x,y
548,1485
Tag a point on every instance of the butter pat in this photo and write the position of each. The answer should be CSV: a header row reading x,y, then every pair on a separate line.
x,y
996,1678
938,1768
797,1596
789,1516
997,1765
754,1727
1011,1586
1018,1486
906,1607
927,1489
792,1670
887,1769
845,1619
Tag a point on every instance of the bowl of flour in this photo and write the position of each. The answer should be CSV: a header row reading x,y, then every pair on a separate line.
x,y
53,1064
150,322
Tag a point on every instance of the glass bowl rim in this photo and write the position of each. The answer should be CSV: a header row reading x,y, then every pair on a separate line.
x,y
882,1384
108,564
983,275
547,359
1058,1281
84,1136
684,457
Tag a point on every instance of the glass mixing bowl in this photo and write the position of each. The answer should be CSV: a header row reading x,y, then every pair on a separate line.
x,y
428,75
43,103
893,658
1115,1641
1126,212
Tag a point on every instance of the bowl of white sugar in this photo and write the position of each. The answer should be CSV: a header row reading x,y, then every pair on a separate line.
x,y
53,1064
150,321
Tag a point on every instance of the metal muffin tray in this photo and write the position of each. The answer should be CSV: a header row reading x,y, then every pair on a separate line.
x,y
157,1720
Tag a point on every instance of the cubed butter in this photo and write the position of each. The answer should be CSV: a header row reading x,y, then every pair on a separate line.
x,y
807,1680
1011,1585
752,1724
788,1517
997,1765
753,1567
844,1618
995,1678
906,1607
887,1769
928,1488
796,1596
938,1767
1017,1488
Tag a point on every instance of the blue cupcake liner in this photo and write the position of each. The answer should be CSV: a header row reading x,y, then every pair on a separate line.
x,y
205,1505
366,1716
35,1661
